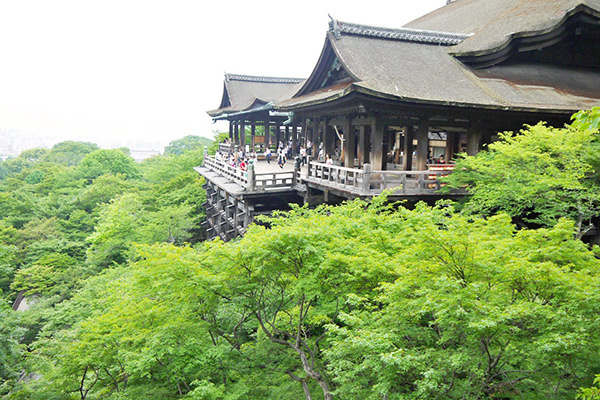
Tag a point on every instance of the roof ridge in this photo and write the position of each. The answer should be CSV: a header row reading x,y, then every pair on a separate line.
x,y
263,79
406,34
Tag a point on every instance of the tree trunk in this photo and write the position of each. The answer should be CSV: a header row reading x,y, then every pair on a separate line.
x,y
312,373
306,389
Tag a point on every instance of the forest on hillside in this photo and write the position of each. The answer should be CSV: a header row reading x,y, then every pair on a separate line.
x,y
493,297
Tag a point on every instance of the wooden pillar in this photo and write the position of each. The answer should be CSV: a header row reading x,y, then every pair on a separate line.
x,y
316,125
360,148
349,143
422,145
287,134
231,131
397,147
277,134
267,133
474,136
243,135
450,146
409,136
304,132
236,139
253,134
377,156
329,140
294,139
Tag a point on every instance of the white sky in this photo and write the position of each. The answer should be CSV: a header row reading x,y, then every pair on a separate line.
x,y
121,71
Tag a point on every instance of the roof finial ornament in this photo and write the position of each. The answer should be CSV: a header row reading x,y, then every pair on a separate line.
x,y
334,27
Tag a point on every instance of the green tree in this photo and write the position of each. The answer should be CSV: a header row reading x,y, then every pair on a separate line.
x,y
478,310
116,231
185,144
69,153
100,162
536,176
10,350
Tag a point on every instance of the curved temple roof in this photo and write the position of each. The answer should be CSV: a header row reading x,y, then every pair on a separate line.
x,y
419,63
245,92
410,35
493,23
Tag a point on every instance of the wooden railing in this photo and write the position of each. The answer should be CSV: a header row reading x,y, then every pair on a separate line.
x,y
272,180
225,148
251,180
349,178
234,174
360,182
367,182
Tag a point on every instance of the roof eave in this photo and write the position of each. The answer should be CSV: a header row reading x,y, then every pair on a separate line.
x,y
504,46
357,88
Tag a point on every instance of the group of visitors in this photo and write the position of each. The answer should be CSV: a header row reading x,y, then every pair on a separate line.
x,y
439,160
237,159
241,157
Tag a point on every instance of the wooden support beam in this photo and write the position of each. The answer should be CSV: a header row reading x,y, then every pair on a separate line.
x,y
236,139
316,122
474,135
363,121
267,133
377,157
349,143
242,134
329,140
408,148
253,134
294,139
422,145
360,150
450,145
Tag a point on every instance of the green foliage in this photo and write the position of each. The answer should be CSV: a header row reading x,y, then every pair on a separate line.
x,y
185,144
34,155
359,301
50,203
116,231
537,176
587,119
355,302
10,350
592,393
47,276
69,153
8,258
100,162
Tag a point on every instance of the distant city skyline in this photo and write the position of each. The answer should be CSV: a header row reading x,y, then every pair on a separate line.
x,y
114,72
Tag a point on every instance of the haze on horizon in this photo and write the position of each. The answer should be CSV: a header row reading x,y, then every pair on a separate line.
x,y
132,72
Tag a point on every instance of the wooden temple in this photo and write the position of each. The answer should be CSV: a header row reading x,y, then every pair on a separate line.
x,y
248,103
387,104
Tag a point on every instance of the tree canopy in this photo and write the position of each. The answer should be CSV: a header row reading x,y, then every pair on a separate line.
x,y
536,176
496,297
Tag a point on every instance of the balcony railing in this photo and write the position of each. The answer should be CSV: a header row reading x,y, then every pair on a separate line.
x,y
355,181
365,182
251,180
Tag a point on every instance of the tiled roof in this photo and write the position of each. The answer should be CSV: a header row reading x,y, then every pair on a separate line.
x,y
404,34
263,79
243,92
493,23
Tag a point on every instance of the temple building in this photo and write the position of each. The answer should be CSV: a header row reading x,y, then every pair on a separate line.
x,y
389,105
248,101
464,72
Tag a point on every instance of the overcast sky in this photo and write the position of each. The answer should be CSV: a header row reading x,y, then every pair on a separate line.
x,y
115,71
